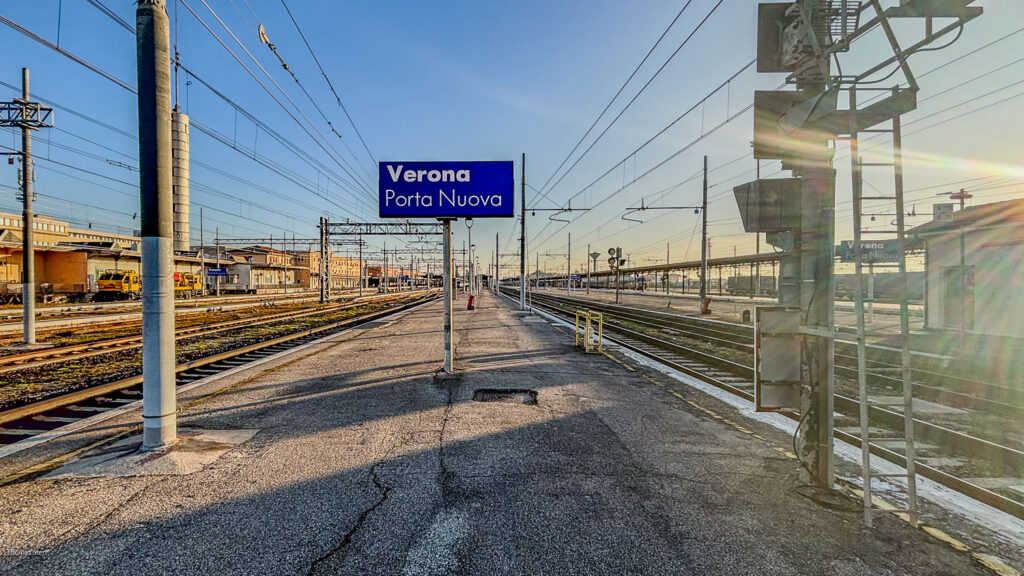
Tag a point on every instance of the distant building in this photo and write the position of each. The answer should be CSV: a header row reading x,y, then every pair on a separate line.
x,y
985,294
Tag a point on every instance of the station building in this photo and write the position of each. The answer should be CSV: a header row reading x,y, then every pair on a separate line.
x,y
70,260
981,293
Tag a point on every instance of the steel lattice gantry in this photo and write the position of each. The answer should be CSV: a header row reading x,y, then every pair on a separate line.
x,y
384,229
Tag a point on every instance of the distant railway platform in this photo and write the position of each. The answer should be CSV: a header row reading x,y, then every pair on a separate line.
x,y
731,308
354,454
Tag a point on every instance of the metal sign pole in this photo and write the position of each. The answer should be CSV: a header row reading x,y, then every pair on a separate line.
x,y
448,352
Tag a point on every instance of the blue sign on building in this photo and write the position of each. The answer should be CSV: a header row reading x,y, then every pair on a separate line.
x,y
216,271
446,190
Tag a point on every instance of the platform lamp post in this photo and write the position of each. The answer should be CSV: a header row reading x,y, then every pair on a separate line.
x,y
28,116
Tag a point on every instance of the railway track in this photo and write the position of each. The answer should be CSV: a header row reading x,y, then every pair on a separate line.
x,y
94,315
945,455
25,422
43,357
929,382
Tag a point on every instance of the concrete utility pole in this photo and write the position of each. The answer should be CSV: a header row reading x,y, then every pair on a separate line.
x,y
497,263
361,268
28,116
217,232
28,256
568,266
159,410
589,257
180,179
667,262
522,238
704,239
325,292
469,270
202,255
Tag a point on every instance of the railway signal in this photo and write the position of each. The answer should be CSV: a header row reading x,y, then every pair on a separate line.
x,y
801,39
616,262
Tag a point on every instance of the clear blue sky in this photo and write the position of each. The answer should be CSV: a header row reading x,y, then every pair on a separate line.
x,y
481,80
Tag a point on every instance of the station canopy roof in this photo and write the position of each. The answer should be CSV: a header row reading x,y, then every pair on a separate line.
x,y
1009,213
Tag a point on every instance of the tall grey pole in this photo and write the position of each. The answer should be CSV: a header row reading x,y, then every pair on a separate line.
x,y
360,265
589,260
497,263
324,261
154,82
217,232
447,272
522,237
202,255
568,265
704,239
469,270
28,255
667,262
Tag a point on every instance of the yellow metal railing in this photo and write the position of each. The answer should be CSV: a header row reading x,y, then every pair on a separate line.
x,y
589,330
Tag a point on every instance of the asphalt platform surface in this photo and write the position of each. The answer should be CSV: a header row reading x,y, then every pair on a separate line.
x,y
356,457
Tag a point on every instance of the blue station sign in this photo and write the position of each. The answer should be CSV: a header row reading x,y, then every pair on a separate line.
x,y
216,271
446,190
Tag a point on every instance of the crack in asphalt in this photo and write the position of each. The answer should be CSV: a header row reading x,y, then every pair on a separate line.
x,y
444,475
347,539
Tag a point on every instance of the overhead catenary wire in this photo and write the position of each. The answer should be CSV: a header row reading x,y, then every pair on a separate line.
x,y
322,145
247,114
613,99
25,31
112,15
328,80
80,61
670,157
639,92
261,32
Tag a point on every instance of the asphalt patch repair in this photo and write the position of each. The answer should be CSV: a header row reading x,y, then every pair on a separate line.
x,y
505,395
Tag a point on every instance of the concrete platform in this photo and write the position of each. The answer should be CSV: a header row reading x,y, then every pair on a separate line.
x,y
364,461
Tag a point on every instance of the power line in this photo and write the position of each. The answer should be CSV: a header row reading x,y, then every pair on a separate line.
x,y
318,142
294,148
112,15
615,97
11,24
660,132
637,95
238,108
328,80
273,48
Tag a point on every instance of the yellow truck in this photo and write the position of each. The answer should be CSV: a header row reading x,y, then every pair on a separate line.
x,y
118,285
187,285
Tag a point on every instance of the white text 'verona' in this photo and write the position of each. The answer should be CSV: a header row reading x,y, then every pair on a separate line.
x,y
398,173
